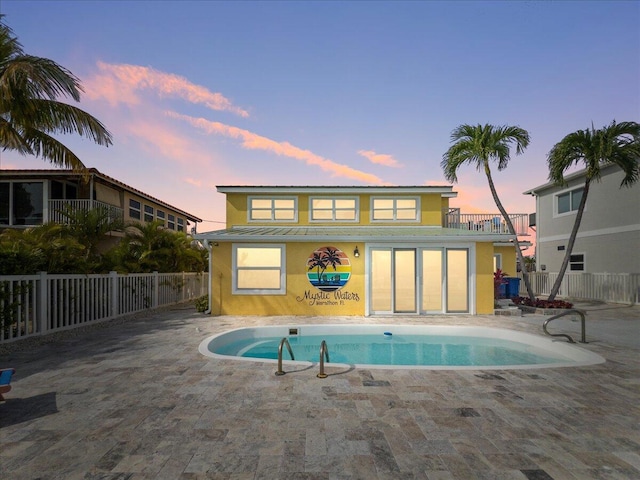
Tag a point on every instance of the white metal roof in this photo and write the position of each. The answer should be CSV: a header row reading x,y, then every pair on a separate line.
x,y
347,233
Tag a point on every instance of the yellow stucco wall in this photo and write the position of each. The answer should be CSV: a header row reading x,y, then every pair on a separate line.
x,y
484,278
301,297
509,260
430,208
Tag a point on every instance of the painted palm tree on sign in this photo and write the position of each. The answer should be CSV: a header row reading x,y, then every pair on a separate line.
x,y
617,143
479,145
322,259
30,112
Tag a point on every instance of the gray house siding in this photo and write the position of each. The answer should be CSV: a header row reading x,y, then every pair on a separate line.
x,y
609,235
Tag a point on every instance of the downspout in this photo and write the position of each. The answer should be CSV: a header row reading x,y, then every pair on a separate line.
x,y
209,247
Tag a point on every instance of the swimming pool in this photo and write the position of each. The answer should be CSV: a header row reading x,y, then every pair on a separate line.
x,y
400,346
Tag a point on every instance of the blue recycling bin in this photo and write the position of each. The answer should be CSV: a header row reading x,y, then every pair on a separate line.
x,y
502,290
512,287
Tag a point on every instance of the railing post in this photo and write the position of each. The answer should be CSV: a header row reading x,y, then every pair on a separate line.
x,y
156,288
113,294
42,292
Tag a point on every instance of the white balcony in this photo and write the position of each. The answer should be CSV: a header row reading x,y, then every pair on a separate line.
x,y
486,222
60,210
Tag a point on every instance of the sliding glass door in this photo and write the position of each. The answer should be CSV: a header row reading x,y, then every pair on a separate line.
x,y
419,280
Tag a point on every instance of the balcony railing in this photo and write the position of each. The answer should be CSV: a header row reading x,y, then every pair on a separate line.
x,y
60,210
486,222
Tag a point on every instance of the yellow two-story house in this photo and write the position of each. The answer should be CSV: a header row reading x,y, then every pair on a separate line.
x,y
356,251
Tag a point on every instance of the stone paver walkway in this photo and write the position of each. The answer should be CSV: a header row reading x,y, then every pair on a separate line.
x,y
135,400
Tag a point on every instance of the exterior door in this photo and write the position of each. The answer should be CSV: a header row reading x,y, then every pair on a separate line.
x,y
419,280
393,280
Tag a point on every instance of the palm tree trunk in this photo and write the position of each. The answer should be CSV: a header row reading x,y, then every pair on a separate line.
x,y
572,241
512,230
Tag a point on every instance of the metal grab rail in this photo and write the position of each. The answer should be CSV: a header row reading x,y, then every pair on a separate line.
x,y
283,342
568,312
323,350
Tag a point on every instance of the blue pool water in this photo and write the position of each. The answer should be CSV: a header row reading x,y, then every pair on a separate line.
x,y
395,350
400,345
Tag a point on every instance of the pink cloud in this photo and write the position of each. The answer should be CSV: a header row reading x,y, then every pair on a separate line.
x,y
253,141
379,158
156,138
118,83
195,183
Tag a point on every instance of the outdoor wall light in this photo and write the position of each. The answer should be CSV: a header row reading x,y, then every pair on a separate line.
x,y
356,252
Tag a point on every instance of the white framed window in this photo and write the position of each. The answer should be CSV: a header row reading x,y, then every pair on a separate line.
x,y
259,269
497,262
569,201
134,209
148,213
398,209
160,216
273,209
338,209
171,222
576,262
180,224
22,203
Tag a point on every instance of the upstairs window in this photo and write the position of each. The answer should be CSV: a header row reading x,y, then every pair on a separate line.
x,y
567,202
134,209
160,216
279,209
181,224
404,209
171,222
334,209
148,213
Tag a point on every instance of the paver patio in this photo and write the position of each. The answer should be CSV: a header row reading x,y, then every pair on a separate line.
x,y
135,400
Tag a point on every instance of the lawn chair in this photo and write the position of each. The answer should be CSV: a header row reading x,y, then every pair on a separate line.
x,y
5,381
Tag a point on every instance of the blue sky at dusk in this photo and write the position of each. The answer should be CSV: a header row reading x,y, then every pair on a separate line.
x,y
204,93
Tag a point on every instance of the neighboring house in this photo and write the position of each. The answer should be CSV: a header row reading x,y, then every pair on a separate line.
x,y
354,251
608,240
33,197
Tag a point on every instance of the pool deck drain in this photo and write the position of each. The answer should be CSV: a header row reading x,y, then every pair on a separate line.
x,y
136,400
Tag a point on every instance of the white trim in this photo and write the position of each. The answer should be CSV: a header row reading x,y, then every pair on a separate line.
x,y
272,199
283,270
446,191
419,246
394,198
333,199
570,212
584,262
592,233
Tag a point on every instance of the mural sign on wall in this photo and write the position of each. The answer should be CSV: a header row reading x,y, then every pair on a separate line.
x,y
328,270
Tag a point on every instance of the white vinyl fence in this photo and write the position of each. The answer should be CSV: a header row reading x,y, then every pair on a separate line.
x,y
33,305
605,287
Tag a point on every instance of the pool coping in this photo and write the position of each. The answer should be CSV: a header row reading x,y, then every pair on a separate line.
x,y
582,357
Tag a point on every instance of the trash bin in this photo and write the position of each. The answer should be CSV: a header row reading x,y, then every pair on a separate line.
x,y
512,287
502,290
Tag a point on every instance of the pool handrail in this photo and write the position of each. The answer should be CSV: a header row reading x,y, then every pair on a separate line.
x,y
323,350
568,337
284,341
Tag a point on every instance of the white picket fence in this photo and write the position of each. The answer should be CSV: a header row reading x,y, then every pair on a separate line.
x,y
605,287
33,305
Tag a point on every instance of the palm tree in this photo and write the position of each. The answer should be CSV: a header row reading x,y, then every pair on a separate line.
x,y
149,247
90,227
617,143
30,112
478,145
